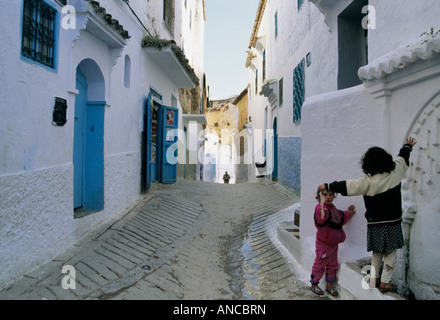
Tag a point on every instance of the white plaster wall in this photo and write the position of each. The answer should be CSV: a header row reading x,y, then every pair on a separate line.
x,y
322,74
284,53
36,170
35,197
26,114
192,37
398,22
337,129
299,33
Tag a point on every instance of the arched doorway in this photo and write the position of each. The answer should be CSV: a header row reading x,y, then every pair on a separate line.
x,y
88,141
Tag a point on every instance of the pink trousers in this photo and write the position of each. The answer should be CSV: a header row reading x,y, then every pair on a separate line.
x,y
326,262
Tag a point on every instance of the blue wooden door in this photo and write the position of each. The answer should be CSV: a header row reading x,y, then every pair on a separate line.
x,y
154,159
167,144
88,149
94,156
79,140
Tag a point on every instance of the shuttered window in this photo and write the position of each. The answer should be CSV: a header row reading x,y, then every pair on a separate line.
x,y
298,90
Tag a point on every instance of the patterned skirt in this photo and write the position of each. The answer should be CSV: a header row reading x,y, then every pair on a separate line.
x,y
384,238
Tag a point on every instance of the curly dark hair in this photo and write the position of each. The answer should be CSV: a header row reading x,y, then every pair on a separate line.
x,y
377,160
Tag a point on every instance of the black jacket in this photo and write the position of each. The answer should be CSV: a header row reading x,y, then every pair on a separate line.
x,y
382,195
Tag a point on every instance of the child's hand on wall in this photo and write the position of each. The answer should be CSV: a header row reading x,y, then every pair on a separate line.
x,y
411,141
352,210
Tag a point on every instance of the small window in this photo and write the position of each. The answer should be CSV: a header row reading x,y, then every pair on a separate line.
x,y
168,14
264,65
190,18
276,24
156,94
127,71
256,81
300,3
298,90
280,92
38,34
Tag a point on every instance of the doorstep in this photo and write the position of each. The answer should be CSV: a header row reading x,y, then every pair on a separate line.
x,y
352,279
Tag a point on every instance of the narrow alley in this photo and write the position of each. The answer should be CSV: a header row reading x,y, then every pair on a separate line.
x,y
190,240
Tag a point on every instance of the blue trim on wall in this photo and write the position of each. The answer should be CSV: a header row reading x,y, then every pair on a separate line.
x,y
289,162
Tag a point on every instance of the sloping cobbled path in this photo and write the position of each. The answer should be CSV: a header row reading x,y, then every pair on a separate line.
x,y
190,240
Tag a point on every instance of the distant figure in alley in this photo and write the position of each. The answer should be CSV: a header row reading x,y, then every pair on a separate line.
x,y
226,177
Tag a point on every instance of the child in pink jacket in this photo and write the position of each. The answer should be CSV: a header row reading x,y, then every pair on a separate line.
x,y
329,221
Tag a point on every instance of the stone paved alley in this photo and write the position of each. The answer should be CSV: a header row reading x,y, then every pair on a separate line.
x,y
189,240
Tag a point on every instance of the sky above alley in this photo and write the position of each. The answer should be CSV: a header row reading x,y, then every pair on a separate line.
x,y
228,30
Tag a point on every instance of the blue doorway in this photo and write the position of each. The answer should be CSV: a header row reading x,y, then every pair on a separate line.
x,y
88,143
167,144
275,150
160,140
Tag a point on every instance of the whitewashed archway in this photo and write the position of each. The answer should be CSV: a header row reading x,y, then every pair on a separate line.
x,y
421,204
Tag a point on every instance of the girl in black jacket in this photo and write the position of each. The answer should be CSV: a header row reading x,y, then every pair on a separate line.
x,y
380,187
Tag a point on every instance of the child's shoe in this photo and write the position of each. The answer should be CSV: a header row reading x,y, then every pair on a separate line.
x,y
317,290
386,287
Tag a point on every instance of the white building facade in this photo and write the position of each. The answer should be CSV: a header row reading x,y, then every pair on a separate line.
x,y
278,64
329,79
73,103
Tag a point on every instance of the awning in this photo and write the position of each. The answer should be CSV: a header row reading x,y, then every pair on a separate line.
x,y
171,59
199,118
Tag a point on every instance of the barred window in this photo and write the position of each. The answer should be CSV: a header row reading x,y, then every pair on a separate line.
x,y
38,42
298,90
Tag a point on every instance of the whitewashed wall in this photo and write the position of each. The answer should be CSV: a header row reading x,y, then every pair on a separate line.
x,y
36,170
400,98
404,20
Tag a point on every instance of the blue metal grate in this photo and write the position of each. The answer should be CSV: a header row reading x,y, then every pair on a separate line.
x,y
38,32
298,90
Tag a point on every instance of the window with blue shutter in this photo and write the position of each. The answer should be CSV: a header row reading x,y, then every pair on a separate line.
x,y
298,90
300,3
38,32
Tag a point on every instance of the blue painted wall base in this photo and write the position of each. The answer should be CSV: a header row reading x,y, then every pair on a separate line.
x,y
289,162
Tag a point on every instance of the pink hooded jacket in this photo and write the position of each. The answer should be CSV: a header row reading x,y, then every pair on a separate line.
x,y
330,229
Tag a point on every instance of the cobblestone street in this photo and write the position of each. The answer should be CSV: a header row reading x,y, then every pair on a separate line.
x,y
191,240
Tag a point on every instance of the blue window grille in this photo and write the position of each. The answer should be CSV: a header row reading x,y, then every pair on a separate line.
x,y
298,90
38,34
300,3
